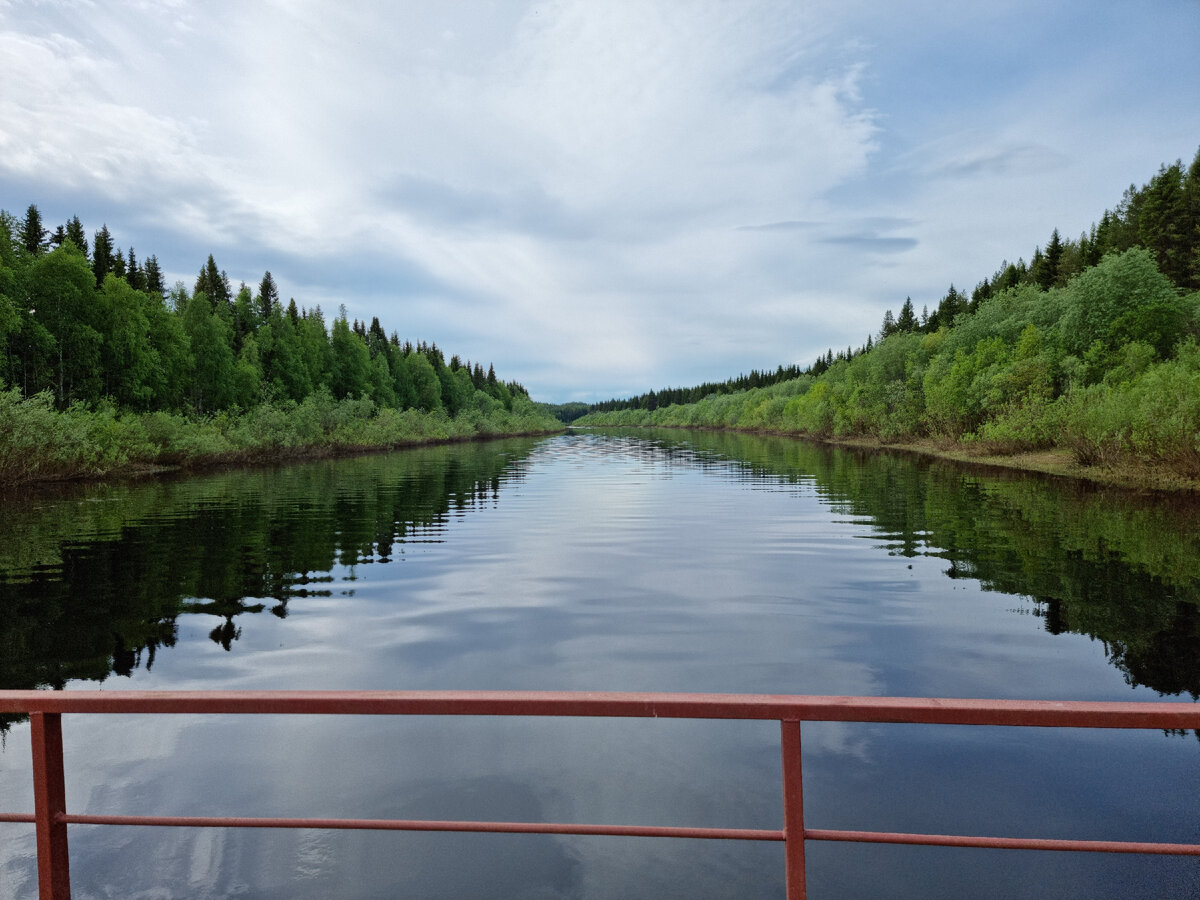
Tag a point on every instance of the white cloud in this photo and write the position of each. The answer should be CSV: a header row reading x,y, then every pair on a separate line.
x,y
591,194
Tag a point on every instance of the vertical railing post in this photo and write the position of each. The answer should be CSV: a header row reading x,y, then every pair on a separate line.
x,y
49,806
793,810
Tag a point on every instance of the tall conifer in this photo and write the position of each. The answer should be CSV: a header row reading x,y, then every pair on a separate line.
x,y
102,254
33,234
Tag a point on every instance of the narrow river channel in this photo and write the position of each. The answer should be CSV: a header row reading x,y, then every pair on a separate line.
x,y
647,561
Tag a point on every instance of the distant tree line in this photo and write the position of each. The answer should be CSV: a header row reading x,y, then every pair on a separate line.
x,y
1162,216
1095,347
667,396
95,323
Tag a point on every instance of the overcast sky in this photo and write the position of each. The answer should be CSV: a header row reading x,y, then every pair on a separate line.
x,y
600,198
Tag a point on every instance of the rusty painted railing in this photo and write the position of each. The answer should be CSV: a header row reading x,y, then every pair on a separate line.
x,y
50,816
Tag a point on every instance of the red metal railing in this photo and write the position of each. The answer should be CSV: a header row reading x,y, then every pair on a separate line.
x,y
50,816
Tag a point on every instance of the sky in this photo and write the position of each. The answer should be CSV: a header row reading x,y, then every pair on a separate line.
x,y
599,198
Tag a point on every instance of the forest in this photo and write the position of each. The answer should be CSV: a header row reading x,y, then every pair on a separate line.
x,y
1091,347
103,368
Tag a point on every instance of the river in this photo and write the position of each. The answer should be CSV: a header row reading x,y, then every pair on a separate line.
x,y
642,561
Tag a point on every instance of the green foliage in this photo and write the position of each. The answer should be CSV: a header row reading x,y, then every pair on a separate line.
x,y
33,235
960,390
41,442
351,372
1153,416
1102,365
427,389
1124,298
130,363
211,384
44,443
60,291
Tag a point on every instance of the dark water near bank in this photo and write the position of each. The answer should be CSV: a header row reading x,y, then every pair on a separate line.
x,y
667,562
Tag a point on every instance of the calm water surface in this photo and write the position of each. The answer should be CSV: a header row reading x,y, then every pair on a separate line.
x,y
588,561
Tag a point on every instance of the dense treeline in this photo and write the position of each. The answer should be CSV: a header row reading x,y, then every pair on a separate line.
x,y
668,396
1093,347
113,366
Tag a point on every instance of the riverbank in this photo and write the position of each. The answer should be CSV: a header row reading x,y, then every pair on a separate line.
x,y
249,459
40,444
1058,462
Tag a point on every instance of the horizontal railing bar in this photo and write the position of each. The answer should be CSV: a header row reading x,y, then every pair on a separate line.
x,y
743,834
725,834
915,710
999,843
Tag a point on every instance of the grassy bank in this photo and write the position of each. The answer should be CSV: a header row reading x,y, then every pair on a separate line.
x,y
1056,461
41,443
1097,378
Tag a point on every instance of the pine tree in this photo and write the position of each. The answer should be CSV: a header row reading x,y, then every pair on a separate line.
x,y
907,320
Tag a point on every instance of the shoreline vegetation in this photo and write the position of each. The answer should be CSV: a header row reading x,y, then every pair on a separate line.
x,y
1056,462
1084,363
105,373
42,444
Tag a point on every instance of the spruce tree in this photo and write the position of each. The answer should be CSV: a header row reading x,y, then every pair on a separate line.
x,y
32,234
215,285
134,274
376,338
268,296
1191,223
1161,219
77,235
154,280
1054,256
102,254
889,324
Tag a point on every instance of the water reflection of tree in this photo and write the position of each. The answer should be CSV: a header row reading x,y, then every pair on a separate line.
x,y
1119,567
93,584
